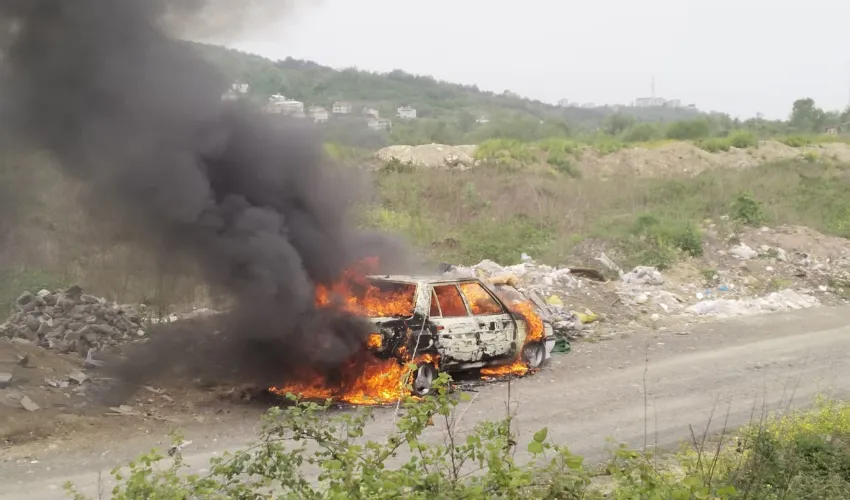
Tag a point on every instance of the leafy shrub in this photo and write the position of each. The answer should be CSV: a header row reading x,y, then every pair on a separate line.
x,y
748,210
561,164
505,151
658,242
714,144
795,141
742,139
810,156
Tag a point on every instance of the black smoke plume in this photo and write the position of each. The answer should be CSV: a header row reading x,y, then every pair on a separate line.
x,y
120,103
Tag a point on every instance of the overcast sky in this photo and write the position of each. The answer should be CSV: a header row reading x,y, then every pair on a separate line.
x,y
737,56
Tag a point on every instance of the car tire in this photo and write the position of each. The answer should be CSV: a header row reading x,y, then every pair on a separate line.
x,y
423,379
534,355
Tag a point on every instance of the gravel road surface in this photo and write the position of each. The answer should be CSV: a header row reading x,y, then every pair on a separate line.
x,y
645,388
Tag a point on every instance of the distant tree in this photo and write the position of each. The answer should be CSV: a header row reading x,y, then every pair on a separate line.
x,y
617,123
806,117
641,132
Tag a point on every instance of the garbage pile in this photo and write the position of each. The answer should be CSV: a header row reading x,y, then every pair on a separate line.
x,y
72,321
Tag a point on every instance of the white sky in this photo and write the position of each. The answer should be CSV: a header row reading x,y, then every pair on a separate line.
x,y
737,56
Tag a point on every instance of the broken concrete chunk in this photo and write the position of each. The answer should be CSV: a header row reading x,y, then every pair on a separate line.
x,y
78,377
59,384
29,404
122,410
5,379
24,299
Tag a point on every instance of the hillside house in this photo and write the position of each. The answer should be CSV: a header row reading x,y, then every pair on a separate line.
x,y
831,130
481,120
240,87
649,102
406,113
286,107
371,112
319,114
341,108
378,124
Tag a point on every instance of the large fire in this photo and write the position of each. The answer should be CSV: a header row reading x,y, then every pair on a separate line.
x,y
368,379
356,294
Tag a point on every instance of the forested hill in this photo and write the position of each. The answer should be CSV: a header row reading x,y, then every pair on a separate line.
x,y
454,103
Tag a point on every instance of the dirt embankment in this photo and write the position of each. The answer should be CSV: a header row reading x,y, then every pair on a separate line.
x,y
672,159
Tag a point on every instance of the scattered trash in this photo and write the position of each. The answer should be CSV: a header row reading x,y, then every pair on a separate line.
x,y
743,252
90,361
586,317
53,382
178,447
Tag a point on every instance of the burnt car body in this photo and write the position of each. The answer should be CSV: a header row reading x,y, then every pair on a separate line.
x,y
465,322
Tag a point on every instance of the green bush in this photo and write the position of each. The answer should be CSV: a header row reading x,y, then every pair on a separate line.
x,y
795,141
748,210
688,130
714,144
742,139
561,164
505,151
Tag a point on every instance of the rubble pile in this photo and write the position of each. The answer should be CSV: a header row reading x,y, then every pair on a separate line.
x,y
757,271
538,280
72,321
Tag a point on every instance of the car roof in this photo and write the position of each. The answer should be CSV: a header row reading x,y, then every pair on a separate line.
x,y
400,278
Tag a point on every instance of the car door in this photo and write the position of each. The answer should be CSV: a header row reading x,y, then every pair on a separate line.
x,y
457,331
496,326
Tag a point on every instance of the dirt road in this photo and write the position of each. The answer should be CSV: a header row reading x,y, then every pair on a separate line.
x,y
646,387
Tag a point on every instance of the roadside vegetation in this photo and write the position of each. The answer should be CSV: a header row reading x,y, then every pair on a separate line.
x,y
497,213
795,456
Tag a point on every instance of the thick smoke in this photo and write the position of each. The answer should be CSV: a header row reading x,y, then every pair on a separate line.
x,y
138,115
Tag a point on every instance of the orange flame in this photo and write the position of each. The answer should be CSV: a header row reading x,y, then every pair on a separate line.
x,y
534,324
365,379
356,294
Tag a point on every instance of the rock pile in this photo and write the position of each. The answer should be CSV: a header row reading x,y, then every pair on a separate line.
x,y
538,278
72,321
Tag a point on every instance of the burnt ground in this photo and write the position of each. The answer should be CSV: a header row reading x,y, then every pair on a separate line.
x,y
643,388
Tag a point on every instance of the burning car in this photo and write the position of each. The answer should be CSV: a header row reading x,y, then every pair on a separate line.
x,y
457,324
436,323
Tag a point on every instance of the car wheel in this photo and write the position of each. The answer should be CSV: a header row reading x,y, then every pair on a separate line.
x,y
423,379
534,355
